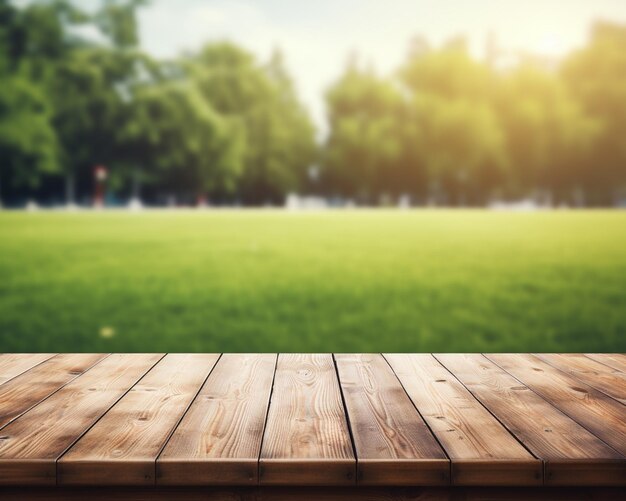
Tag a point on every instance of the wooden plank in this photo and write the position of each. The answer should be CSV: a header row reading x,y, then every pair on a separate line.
x,y
121,449
572,455
482,451
609,381
306,439
218,442
305,493
393,443
104,493
28,389
616,361
603,416
14,364
31,445
540,494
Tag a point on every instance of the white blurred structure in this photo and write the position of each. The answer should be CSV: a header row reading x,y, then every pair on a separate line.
x,y
135,204
404,202
526,205
32,206
297,202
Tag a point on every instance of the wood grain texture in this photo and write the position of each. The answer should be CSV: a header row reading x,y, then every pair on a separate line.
x,y
602,415
306,439
31,445
129,494
315,494
571,454
482,451
219,440
609,381
616,361
393,443
121,449
28,389
12,365
312,427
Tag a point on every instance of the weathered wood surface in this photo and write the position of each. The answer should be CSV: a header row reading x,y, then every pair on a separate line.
x,y
306,439
315,494
219,440
122,448
608,380
12,365
616,360
31,387
482,451
31,446
392,441
267,426
571,453
591,408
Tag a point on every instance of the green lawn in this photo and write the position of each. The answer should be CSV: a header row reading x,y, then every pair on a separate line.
x,y
326,281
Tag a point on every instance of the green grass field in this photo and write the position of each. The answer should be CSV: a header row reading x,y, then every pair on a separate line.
x,y
330,281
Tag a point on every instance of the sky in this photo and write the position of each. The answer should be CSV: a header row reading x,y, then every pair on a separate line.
x,y
317,37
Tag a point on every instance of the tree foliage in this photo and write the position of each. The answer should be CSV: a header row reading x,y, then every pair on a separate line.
x,y
220,124
449,129
216,124
364,150
596,75
188,146
279,136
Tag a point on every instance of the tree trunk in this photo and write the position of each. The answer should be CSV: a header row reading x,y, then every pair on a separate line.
x,y
135,197
136,184
69,189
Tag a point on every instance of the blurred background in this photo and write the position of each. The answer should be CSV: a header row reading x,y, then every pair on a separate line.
x,y
409,171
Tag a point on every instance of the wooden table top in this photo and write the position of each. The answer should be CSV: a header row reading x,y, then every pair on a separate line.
x,y
312,419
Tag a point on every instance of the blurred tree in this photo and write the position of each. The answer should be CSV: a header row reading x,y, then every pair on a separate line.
x,y
279,136
28,143
461,147
220,124
92,94
449,72
459,139
290,138
431,133
91,102
596,75
549,137
367,148
84,83
117,20
190,147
